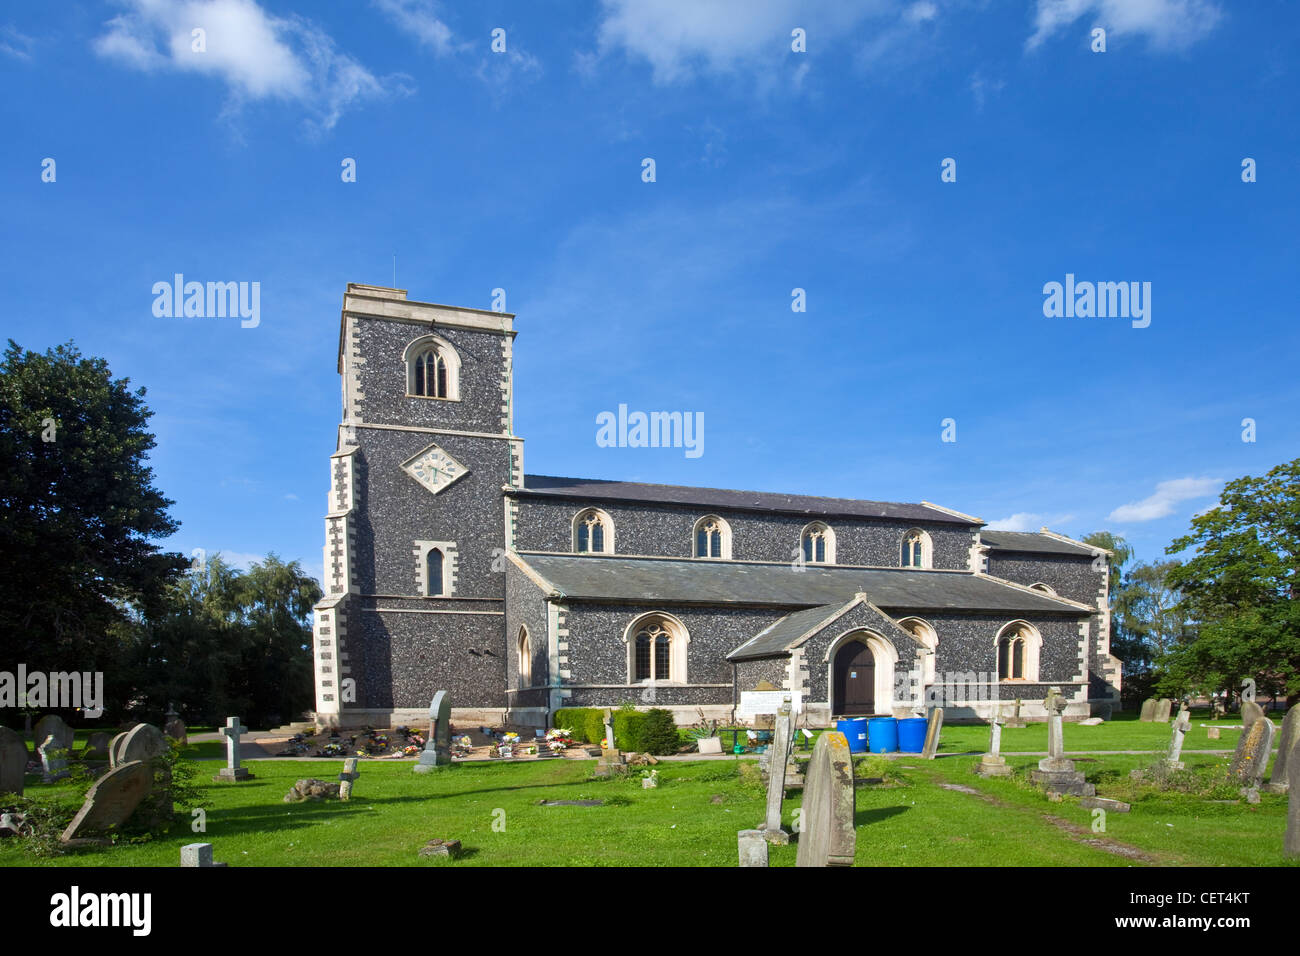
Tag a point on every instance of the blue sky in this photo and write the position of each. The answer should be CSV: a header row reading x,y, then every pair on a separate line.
x,y
775,170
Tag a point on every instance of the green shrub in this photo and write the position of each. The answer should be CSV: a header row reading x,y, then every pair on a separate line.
x,y
595,725
659,732
629,726
579,720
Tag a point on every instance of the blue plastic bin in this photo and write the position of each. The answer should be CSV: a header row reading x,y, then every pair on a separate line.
x,y
911,735
882,735
855,729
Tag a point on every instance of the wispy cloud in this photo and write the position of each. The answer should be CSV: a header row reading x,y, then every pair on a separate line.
x,y
1167,495
257,56
1028,521
15,44
1167,24
422,19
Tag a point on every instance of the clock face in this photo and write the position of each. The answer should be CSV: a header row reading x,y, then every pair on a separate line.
x,y
434,468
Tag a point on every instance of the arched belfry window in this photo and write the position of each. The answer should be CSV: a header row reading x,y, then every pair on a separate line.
x,y
818,543
712,538
432,368
593,532
656,645
434,562
916,549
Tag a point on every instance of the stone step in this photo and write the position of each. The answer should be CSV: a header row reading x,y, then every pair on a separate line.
x,y
288,730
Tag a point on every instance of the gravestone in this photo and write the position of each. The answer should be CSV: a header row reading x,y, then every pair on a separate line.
x,y
826,829
1218,707
710,745
1250,712
753,848
52,725
175,729
232,771
13,761
141,742
993,764
1287,740
1016,720
609,731
1181,725
1056,773
1253,750
612,761
96,747
1291,845
778,754
114,746
932,729
1148,712
54,760
1164,707
198,854
348,777
111,801
437,746
1213,733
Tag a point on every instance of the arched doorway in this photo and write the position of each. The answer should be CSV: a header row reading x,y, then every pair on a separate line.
x,y
855,680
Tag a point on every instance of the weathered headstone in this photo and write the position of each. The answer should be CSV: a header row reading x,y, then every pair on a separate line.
x,y
1291,844
609,731
1164,709
141,742
13,761
1181,725
175,729
710,745
1250,712
1288,737
232,770
1213,733
111,801
1056,773
753,848
778,753
826,828
54,760
1148,712
1253,750
348,777
52,725
1218,707
96,747
115,747
198,854
932,729
993,764
437,746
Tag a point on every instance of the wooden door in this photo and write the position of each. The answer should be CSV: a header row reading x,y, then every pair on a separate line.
x,y
855,680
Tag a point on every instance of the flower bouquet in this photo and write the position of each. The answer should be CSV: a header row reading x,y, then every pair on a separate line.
x,y
559,739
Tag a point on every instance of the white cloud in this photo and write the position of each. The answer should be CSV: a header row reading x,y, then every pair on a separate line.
x,y
420,19
1027,521
257,55
15,44
1167,494
680,37
1167,24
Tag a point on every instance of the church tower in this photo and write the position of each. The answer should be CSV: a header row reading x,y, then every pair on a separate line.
x,y
416,527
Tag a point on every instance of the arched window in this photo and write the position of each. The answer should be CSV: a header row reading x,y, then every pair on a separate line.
x,y
916,549
1018,650
593,532
525,659
433,567
656,649
432,368
929,639
712,538
818,543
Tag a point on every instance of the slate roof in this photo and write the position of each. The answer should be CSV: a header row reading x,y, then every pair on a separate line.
x,y
684,581
592,489
775,638
1032,542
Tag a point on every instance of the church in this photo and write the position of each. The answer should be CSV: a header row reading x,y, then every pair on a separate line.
x,y
447,566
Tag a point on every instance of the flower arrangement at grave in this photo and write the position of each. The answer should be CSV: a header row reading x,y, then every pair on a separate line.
x,y
415,739
411,751
559,739
333,750
509,741
604,743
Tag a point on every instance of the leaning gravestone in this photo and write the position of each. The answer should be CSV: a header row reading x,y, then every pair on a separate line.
x,y
54,760
826,827
932,729
437,745
1182,724
777,755
111,801
1250,712
1288,738
54,726
114,746
13,761
1291,845
141,742
1253,750
1164,708
1148,712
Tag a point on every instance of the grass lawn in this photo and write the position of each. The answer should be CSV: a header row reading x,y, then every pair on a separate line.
x,y
691,819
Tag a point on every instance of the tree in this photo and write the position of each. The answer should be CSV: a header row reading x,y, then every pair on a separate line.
x,y
1240,588
79,514
1153,622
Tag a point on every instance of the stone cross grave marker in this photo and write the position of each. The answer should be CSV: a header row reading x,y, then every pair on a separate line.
x,y
932,729
826,830
53,725
1253,751
1291,845
111,801
993,764
1055,772
1164,708
778,754
609,731
1288,738
1148,712
611,761
347,778
1181,725
232,770
54,760
1016,720
437,745
1250,712
13,761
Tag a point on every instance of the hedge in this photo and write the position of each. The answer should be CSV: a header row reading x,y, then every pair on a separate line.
x,y
581,720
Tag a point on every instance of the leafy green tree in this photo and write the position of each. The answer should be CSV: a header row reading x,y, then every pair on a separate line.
x,y
1240,588
79,513
1153,623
